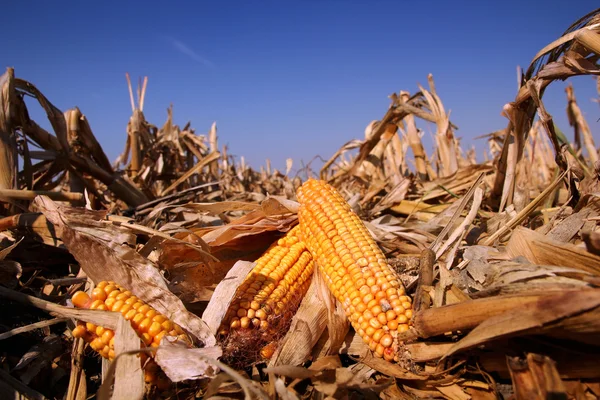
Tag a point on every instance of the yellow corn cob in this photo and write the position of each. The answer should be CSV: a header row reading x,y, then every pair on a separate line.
x,y
150,325
266,300
354,267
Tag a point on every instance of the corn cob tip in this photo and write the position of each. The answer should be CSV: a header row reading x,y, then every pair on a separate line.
x,y
266,301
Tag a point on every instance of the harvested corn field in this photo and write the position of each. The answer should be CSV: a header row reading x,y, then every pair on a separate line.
x,y
392,272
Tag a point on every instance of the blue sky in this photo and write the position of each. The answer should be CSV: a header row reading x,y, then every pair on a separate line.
x,y
287,78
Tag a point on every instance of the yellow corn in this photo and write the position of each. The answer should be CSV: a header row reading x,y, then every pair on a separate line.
x,y
267,299
150,325
354,267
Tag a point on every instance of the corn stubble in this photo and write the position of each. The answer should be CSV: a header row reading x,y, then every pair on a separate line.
x,y
150,325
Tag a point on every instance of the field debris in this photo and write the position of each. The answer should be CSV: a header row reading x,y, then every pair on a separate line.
x,y
181,272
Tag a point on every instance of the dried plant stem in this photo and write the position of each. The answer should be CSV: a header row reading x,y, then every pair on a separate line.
x,y
8,145
517,219
580,125
17,387
414,141
77,389
462,228
31,327
31,194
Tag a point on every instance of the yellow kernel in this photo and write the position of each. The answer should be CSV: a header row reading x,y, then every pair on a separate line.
x,y
159,318
90,327
123,296
374,322
108,289
95,304
110,302
130,314
97,344
386,340
167,325
137,318
104,351
131,301
98,294
379,350
151,313
102,284
107,336
154,329
390,315
144,325
100,330
117,306
146,338
144,309
159,337
125,309
261,314
245,322
79,331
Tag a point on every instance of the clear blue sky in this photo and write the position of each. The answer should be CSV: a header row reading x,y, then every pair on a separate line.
x,y
287,78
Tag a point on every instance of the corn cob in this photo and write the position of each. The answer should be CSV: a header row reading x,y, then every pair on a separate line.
x,y
150,325
354,267
264,303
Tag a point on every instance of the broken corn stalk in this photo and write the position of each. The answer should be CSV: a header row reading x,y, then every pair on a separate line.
x,y
265,302
150,325
354,267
